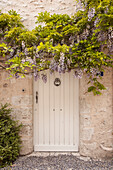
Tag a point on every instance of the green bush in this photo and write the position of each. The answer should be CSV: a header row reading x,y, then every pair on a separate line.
x,y
9,137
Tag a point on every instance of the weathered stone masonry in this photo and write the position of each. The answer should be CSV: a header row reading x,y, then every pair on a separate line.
x,y
96,114
18,92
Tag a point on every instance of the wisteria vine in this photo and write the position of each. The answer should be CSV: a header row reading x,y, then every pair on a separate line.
x,y
62,44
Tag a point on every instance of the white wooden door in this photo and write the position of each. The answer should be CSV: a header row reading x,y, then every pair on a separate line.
x,y
56,113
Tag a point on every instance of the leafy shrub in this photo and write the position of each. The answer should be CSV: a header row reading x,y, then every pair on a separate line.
x,y
9,137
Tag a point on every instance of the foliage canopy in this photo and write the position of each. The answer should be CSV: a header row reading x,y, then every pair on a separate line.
x,y
60,43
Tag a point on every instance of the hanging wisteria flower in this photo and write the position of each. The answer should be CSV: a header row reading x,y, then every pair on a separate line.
x,y
29,59
91,14
23,61
96,21
36,75
93,72
44,78
61,66
16,75
53,66
26,52
78,73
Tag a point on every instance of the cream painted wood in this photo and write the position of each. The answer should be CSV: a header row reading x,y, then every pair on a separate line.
x,y
56,115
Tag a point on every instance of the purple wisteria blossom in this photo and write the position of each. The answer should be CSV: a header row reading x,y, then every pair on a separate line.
x,y
30,60
16,75
91,14
78,73
26,52
96,21
44,78
93,72
36,75
61,66
23,61
53,66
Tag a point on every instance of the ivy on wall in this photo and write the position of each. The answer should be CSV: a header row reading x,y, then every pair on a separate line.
x,y
60,43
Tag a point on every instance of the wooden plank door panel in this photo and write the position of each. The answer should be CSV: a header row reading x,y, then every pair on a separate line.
x,y
56,116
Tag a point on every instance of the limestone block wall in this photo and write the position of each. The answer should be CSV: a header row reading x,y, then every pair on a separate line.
x,y
96,119
18,92
96,114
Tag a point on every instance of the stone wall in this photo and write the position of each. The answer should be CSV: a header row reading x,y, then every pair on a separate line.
x,y
96,119
96,115
19,93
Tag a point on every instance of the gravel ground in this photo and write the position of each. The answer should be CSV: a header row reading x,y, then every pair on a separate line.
x,y
60,162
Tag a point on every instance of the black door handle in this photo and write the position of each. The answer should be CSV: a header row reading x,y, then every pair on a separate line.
x,y
36,97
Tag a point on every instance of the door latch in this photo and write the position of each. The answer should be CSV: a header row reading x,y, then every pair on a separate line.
x,y
36,97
